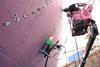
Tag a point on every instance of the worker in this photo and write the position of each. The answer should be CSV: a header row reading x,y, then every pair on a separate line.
x,y
48,43
80,14
71,8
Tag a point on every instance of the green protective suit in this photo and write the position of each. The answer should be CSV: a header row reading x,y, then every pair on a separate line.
x,y
49,42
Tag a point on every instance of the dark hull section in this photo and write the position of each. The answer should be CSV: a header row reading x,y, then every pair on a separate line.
x,y
21,40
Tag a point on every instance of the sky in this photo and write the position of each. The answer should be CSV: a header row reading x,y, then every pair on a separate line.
x,y
67,40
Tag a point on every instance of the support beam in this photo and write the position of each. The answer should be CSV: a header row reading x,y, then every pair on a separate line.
x,y
90,43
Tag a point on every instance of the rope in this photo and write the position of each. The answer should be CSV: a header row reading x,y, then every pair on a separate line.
x,y
90,1
77,50
69,20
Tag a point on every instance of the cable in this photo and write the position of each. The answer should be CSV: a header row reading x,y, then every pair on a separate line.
x,y
75,43
77,50
74,60
89,1
69,20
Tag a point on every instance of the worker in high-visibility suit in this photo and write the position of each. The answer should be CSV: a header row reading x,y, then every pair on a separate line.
x,y
48,43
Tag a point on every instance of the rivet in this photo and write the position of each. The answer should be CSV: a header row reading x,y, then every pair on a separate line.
x,y
16,18
7,23
25,16
38,9
33,13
